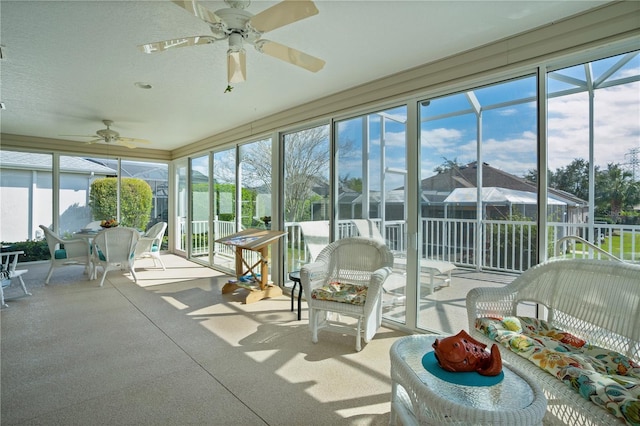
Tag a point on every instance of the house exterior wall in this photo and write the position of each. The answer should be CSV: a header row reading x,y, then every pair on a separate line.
x,y
27,199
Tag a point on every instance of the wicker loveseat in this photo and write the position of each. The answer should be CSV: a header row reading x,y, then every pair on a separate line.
x,y
583,348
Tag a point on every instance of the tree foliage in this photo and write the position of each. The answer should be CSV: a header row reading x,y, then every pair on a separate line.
x,y
355,184
306,165
447,165
615,190
135,201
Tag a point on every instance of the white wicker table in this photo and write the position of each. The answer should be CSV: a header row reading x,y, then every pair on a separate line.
x,y
418,397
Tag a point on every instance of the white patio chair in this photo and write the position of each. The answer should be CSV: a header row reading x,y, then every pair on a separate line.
x,y
150,243
65,252
8,263
316,237
347,279
114,248
436,269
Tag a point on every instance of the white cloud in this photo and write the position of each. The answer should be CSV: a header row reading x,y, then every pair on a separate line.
x,y
505,112
515,155
616,126
441,139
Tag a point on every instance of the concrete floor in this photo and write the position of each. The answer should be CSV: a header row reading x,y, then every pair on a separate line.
x,y
172,350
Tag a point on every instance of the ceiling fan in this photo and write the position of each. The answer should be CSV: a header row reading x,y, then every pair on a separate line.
x,y
111,136
239,27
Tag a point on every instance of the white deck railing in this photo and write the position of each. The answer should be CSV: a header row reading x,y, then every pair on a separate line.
x,y
508,246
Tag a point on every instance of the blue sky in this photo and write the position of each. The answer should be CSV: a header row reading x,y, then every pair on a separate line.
x,y
509,133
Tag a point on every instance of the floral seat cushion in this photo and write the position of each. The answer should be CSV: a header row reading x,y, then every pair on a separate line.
x,y
341,292
607,378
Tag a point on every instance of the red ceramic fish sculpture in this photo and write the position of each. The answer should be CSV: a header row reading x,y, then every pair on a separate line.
x,y
462,353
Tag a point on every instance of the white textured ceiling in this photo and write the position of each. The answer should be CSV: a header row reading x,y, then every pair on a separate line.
x,y
69,64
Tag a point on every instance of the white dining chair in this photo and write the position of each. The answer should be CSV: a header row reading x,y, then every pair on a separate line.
x,y
114,249
65,252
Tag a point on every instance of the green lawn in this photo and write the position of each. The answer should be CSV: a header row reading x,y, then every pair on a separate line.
x,y
612,245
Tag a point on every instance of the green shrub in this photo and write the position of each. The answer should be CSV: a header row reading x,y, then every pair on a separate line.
x,y
33,250
135,201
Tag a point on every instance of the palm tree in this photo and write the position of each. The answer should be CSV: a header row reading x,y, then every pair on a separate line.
x,y
616,190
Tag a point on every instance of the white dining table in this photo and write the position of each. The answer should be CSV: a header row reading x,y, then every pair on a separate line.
x,y
88,235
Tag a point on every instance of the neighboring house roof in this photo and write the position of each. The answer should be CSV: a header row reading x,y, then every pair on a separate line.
x,y
395,196
33,161
466,177
567,197
137,169
496,196
347,195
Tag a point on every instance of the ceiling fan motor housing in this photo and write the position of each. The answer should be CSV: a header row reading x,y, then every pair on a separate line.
x,y
108,135
239,4
235,20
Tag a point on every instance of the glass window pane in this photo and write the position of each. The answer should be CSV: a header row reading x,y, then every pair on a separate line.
x,y
255,184
598,117
25,187
156,176
306,195
224,206
200,208
255,172
88,192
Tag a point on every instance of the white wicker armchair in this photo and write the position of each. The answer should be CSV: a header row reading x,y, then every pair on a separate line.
x,y
65,252
354,261
150,243
114,248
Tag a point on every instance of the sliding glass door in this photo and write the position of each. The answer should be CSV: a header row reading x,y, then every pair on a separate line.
x,y
371,172
223,206
305,157
478,212
199,221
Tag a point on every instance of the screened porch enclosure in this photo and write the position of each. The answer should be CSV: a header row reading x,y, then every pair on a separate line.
x,y
464,190
452,177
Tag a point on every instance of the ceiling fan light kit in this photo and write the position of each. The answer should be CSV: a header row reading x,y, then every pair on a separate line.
x,y
239,26
236,60
109,136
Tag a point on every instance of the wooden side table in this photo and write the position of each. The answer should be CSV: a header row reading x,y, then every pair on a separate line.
x,y
418,397
256,240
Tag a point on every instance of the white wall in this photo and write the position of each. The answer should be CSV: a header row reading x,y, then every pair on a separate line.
x,y
19,219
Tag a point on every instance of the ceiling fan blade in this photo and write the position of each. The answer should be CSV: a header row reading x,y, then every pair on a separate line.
x,y
236,66
199,10
95,141
161,46
81,136
125,142
289,54
134,140
283,13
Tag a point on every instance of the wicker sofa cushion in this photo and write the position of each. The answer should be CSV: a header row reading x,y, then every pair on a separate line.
x,y
341,292
5,276
607,378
